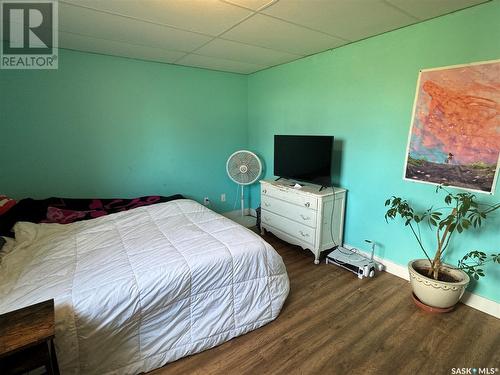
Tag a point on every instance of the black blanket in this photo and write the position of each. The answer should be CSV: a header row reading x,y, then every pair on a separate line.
x,y
70,210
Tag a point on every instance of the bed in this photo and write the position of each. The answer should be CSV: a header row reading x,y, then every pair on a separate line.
x,y
135,290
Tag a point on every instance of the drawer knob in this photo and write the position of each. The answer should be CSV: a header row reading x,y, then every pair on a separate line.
x,y
303,234
307,204
264,191
267,204
305,217
266,218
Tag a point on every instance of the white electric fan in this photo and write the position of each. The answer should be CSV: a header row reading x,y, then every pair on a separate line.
x,y
244,168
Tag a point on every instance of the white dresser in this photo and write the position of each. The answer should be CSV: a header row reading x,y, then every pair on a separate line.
x,y
303,216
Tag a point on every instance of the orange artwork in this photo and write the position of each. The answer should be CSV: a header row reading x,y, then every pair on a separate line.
x,y
455,134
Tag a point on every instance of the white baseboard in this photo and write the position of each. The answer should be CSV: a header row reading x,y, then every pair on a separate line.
x,y
237,213
470,299
482,304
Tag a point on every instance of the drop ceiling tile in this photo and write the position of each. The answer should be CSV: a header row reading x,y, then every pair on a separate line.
x,y
347,19
424,9
251,4
108,47
204,16
226,49
106,26
258,42
218,64
271,33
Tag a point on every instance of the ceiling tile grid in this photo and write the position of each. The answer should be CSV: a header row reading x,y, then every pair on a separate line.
x,y
268,32
349,20
201,61
108,47
240,36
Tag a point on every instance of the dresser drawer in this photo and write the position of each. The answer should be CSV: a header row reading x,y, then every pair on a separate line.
x,y
300,231
291,211
289,195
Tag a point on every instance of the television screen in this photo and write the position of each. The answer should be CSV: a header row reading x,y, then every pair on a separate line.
x,y
305,158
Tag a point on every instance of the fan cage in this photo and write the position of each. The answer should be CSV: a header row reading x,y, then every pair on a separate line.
x,y
244,167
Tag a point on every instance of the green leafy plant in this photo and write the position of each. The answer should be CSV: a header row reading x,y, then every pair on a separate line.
x,y
472,261
460,214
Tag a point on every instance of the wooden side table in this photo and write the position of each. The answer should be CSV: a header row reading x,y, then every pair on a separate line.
x,y
27,339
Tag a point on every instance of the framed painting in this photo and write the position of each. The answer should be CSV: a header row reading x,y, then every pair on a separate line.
x,y
454,135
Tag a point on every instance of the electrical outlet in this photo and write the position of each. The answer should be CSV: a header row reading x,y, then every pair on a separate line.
x,y
223,197
206,201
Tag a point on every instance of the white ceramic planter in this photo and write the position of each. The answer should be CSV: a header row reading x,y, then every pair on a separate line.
x,y
436,293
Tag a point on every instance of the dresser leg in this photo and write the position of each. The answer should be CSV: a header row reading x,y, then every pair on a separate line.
x,y
262,231
316,259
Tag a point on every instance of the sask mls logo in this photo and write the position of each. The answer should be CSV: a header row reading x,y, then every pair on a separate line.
x,y
29,34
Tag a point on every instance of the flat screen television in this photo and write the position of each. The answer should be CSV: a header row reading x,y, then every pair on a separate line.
x,y
305,158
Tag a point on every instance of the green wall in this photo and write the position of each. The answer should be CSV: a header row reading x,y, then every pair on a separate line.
x,y
104,126
363,95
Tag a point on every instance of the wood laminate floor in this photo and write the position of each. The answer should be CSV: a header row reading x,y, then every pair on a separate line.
x,y
334,323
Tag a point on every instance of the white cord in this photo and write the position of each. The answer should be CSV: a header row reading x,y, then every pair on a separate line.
x,y
331,218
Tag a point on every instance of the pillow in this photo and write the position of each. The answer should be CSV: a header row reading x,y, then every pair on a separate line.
x,y
6,204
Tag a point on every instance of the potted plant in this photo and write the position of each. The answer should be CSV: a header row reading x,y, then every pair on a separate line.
x,y
435,283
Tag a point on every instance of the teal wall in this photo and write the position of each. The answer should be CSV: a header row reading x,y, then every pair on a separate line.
x,y
363,95
104,126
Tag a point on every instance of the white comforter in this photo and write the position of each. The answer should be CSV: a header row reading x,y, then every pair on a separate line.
x,y
137,289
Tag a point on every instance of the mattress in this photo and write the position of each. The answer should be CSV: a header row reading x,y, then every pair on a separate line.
x,y
138,289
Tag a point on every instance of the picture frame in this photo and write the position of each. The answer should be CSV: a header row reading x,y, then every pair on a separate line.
x,y
454,136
